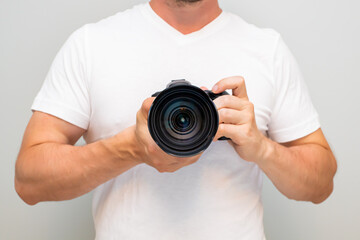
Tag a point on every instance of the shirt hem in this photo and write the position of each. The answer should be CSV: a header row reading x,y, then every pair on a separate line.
x,y
61,111
298,131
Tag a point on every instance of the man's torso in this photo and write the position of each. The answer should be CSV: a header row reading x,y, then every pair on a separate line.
x,y
134,55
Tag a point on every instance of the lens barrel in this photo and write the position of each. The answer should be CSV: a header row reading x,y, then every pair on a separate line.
x,y
183,120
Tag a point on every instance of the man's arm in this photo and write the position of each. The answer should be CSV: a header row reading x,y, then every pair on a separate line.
x,y
49,167
302,169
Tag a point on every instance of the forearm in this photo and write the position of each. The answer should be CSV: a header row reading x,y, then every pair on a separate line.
x,y
302,172
54,171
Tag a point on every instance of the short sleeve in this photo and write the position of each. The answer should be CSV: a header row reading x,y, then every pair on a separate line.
x,y
64,93
293,115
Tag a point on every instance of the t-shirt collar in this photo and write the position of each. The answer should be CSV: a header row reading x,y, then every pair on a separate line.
x,y
181,38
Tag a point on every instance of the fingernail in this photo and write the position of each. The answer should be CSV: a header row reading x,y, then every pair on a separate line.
x,y
215,88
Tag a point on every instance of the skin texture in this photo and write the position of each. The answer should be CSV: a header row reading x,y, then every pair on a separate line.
x,y
49,167
184,16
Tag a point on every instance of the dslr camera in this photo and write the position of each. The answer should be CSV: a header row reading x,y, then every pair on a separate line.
x,y
183,119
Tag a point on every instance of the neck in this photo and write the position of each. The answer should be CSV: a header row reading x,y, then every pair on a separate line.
x,y
186,17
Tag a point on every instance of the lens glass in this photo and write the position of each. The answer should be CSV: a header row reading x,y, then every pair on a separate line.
x,y
180,119
183,121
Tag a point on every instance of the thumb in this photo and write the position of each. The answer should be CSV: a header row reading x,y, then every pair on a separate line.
x,y
145,107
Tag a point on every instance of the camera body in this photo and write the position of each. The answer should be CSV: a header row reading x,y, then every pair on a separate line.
x,y
183,119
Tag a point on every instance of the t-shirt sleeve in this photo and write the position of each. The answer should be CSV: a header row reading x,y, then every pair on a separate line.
x,y
64,93
293,115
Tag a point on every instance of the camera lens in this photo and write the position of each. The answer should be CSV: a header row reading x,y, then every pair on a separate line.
x,y
183,120
179,120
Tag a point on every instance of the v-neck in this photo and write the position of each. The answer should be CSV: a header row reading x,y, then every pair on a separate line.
x,y
180,37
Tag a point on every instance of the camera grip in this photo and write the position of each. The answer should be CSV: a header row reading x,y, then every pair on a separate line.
x,y
213,96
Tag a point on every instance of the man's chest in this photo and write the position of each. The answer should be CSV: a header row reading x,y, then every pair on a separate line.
x,y
122,80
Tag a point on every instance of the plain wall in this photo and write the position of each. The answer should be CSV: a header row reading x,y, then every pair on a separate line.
x,y
324,35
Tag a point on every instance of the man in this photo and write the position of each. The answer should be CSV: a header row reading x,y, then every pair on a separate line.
x,y
107,70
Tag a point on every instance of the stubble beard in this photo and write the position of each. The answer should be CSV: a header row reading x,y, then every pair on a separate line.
x,y
181,3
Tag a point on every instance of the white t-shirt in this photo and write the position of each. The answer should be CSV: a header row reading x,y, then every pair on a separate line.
x,y
105,70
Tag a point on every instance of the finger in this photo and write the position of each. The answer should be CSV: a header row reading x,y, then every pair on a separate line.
x,y
232,116
172,167
160,159
229,101
168,168
145,107
227,130
236,83
184,161
204,88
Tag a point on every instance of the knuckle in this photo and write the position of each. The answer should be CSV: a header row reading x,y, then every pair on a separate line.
x,y
241,80
226,113
251,117
226,100
251,106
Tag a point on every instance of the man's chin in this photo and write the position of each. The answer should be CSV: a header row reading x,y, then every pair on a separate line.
x,y
187,2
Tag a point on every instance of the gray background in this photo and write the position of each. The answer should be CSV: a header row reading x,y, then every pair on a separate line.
x,y
323,35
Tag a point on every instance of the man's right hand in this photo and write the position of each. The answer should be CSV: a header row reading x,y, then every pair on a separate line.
x,y
149,152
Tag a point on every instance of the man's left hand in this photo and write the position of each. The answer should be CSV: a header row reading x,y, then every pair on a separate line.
x,y
237,119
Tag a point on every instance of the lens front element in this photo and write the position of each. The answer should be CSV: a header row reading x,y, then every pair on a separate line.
x,y
183,120
180,120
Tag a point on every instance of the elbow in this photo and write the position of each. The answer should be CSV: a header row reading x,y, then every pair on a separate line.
x,y
22,187
24,193
330,187
324,194
315,196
